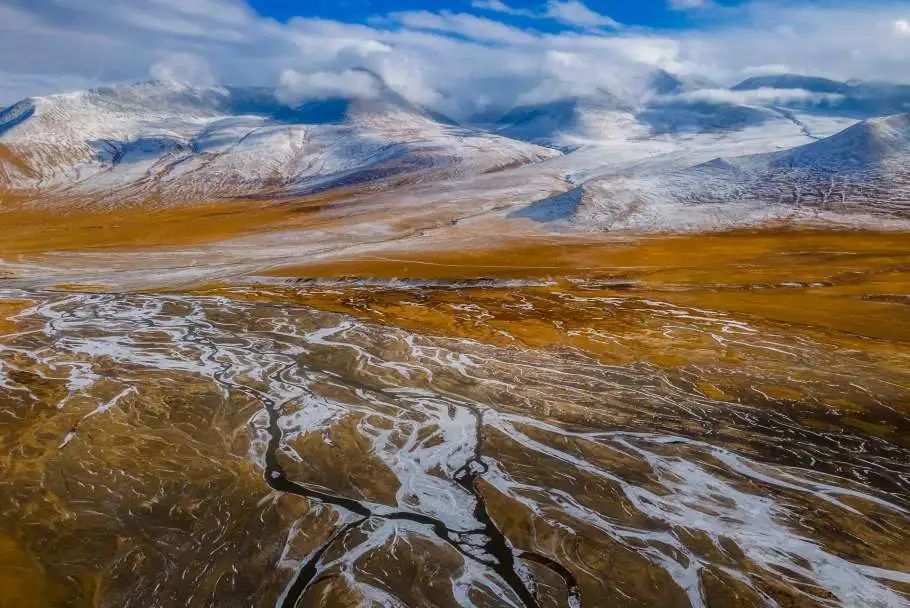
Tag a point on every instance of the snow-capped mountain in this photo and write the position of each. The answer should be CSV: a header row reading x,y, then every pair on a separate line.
x,y
576,122
864,169
171,142
857,99
672,107
813,84
867,164
571,122
673,114
794,108
628,162
579,120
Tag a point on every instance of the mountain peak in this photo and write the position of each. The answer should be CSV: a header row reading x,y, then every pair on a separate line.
x,y
167,98
225,140
814,84
865,144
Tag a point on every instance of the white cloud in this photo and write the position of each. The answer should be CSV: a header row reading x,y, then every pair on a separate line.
x,y
295,88
758,96
902,26
470,26
688,5
184,68
568,12
456,63
841,40
574,12
767,70
499,6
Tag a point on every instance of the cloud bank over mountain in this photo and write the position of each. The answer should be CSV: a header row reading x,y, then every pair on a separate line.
x,y
459,63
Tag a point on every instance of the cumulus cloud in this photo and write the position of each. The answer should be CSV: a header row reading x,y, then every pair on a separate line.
x,y
568,12
687,5
455,63
295,88
184,68
574,12
499,6
470,26
838,41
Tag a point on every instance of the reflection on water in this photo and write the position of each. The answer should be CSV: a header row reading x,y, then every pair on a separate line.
x,y
212,451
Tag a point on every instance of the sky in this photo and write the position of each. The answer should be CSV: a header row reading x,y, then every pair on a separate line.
x,y
649,13
459,57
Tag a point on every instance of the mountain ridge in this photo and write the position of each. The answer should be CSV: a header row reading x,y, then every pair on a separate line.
x,y
176,142
863,170
166,143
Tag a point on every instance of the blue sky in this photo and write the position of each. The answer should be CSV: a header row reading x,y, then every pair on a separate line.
x,y
458,57
647,13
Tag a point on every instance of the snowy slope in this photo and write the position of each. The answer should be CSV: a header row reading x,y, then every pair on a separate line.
x,y
687,155
171,142
572,122
674,109
864,169
813,84
857,99
668,105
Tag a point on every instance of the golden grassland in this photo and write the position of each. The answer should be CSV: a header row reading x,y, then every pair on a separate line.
x,y
845,292
8,309
851,281
25,583
9,157
617,329
29,228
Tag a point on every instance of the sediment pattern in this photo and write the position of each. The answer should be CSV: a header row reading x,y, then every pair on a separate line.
x,y
162,450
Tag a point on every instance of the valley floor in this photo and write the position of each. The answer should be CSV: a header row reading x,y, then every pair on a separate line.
x,y
263,405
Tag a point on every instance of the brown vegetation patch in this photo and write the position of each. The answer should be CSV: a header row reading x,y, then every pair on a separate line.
x,y
8,309
816,278
29,228
9,156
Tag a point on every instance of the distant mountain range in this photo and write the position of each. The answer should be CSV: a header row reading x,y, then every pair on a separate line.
x,y
859,99
780,140
694,105
858,174
163,141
